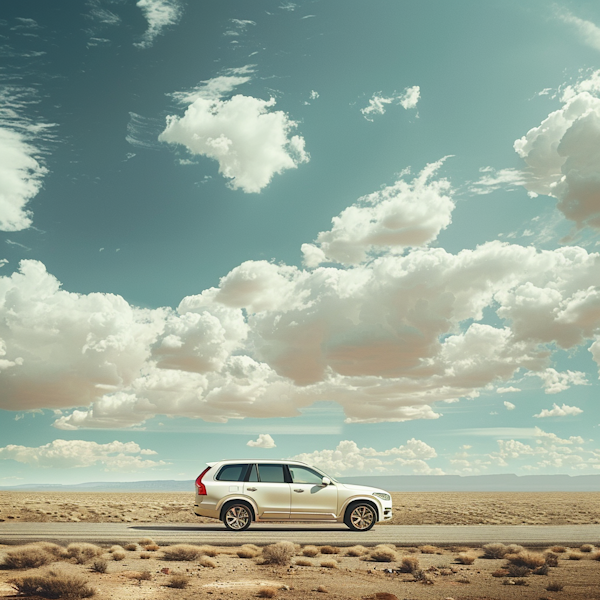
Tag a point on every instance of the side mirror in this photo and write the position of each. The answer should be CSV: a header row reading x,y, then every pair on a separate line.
x,y
326,481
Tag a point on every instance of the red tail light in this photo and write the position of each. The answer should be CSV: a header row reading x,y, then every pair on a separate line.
x,y
199,485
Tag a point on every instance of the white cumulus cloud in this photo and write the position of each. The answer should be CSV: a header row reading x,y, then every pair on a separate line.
x,y
69,454
509,405
554,381
250,141
264,441
159,14
559,411
408,99
399,216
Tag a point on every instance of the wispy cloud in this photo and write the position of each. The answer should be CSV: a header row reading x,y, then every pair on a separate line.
x,y
587,31
408,99
559,411
159,14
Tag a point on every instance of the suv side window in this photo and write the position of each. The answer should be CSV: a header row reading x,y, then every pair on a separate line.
x,y
232,473
271,473
253,474
304,475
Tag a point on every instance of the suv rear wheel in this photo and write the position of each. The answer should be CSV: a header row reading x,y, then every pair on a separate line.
x,y
237,516
360,516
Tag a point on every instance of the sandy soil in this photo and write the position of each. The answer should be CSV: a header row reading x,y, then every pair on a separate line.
x,y
412,508
351,579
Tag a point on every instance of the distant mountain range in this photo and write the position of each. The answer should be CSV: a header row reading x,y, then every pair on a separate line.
x,y
392,483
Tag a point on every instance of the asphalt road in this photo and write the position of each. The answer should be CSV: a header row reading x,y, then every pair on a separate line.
x,y
261,534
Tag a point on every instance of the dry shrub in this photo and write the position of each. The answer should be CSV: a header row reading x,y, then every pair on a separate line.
x,y
429,549
83,552
465,559
267,592
558,549
383,554
53,549
178,581
576,555
27,557
248,551
329,563
496,550
147,542
151,547
145,555
279,553
555,586
330,550
303,562
595,556
209,551
543,570
422,577
118,555
143,576
408,564
500,573
356,550
551,559
514,549
586,548
531,560
322,589
182,552
310,550
131,547
53,584
99,566
208,562
518,570
116,549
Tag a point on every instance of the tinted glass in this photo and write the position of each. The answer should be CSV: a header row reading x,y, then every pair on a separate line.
x,y
271,473
253,474
304,475
232,473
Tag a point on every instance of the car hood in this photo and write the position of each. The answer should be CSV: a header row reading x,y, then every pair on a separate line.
x,y
363,489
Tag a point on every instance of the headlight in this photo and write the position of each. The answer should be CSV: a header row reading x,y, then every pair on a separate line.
x,y
382,496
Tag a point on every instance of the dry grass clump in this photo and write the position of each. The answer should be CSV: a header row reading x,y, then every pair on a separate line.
x,y
146,542
99,566
53,584
142,576
27,557
303,562
145,555
51,548
518,571
329,563
209,551
543,570
551,559
178,581
430,549
531,560
383,554
576,555
116,549
83,552
422,577
500,573
496,550
357,551
248,551
330,550
310,550
586,548
131,547
151,547
118,555
279,553
555,586
465,559
208,562
409,564
595,556
514,549
322,589
267,592
182,552
558,549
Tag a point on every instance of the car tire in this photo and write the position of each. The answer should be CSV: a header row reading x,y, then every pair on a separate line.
x,y
360,516
237,516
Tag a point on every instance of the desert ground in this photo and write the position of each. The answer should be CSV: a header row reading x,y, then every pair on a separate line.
x,y
411,508
142,570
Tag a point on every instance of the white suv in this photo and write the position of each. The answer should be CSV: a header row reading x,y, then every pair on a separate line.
x,y
241,491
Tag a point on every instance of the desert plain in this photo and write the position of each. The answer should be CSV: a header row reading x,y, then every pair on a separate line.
x,y
142,570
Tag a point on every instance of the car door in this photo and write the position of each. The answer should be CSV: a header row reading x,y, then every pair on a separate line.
x,y
311,500
269,487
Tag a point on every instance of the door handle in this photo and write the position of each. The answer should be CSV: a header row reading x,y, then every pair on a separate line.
x,y
299,491
251,489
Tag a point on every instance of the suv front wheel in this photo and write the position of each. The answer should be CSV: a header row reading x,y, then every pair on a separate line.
x,y
237,516
360,516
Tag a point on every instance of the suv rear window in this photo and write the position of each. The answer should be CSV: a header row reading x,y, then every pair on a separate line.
x,y
232,473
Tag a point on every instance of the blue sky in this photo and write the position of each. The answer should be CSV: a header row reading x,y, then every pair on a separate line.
x,y
363,234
